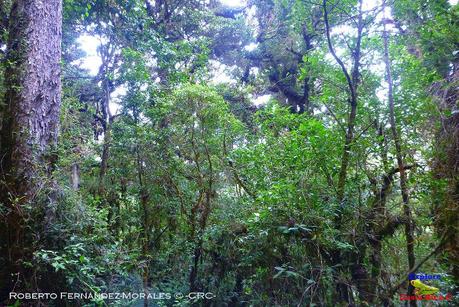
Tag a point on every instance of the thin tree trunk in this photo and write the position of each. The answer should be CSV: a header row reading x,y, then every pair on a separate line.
x,y
75,177
409,227
195,268
146,240
104,161
144,201
352,82
343,290
30,124
107,119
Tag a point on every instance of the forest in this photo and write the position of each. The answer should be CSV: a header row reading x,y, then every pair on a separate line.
x,y
229,153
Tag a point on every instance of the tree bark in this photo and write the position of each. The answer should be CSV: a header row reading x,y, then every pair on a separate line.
x,y
75,177
30,123
107,119
446,168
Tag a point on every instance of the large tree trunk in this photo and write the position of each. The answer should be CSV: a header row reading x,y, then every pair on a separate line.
x,y
30,118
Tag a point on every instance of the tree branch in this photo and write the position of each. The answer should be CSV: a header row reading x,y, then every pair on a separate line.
x,y
332,51
240,182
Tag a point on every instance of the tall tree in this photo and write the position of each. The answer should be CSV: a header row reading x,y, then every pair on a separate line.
x,y
30,120
417,21
409,228
353,80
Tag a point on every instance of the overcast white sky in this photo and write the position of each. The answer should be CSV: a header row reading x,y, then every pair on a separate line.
x,y
89,44
233,2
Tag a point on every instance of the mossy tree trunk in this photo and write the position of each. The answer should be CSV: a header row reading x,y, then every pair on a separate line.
x,y
446,170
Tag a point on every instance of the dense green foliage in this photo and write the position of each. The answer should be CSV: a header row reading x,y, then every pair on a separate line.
x,y
172,180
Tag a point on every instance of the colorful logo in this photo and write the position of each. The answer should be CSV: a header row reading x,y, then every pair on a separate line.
x,y
423,289
413,276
